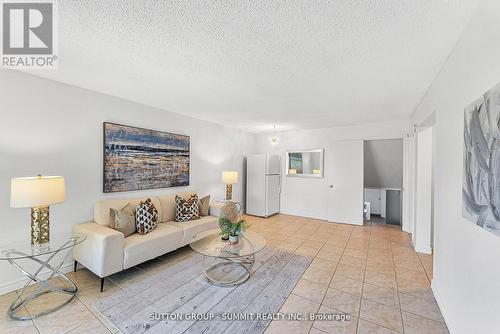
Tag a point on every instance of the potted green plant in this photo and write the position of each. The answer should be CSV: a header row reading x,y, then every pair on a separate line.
x,y
224,224
232,230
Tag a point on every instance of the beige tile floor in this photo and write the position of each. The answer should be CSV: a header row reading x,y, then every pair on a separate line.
x,y
370,272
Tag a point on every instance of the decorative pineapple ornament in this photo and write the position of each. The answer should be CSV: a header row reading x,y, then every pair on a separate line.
x,y
231,211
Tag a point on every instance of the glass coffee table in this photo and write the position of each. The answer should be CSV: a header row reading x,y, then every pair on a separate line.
x,y
228,264
49,259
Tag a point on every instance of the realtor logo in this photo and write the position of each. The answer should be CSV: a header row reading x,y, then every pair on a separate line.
x,y
28,32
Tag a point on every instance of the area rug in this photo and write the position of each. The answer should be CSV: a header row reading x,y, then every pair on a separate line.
x,y
179,299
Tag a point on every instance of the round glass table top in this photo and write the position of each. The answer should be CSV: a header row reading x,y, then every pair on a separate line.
x,y
24,249
212,245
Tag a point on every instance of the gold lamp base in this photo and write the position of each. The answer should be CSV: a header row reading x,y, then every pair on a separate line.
x,y
229,192
40,225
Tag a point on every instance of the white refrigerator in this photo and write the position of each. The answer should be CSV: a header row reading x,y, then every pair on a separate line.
x,y
263,184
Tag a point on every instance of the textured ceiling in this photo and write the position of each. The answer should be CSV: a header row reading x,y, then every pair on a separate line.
x,y
251,64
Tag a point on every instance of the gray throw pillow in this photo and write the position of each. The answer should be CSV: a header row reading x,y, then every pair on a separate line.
x,y
204,205
122,222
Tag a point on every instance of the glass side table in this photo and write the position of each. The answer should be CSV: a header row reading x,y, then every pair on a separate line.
x,y
21,255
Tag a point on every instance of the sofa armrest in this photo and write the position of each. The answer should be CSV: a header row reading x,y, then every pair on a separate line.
x,y
215,209
102,250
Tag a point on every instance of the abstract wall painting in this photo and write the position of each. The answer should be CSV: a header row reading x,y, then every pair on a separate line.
x,y
138,159
481,176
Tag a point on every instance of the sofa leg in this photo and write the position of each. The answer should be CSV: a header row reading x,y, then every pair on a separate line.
x,y
74,269
102,283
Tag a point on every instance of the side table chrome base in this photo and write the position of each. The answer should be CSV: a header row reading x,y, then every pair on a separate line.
x,y
44,287
228,267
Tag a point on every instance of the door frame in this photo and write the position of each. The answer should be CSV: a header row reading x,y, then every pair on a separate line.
x,y
423,222
409,176
409,182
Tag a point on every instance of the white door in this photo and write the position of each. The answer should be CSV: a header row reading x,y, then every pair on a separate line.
x,y
272,194
345,182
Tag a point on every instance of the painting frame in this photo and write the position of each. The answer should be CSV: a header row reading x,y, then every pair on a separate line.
x,y
158,184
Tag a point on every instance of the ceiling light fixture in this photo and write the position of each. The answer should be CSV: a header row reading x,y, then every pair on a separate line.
x,y
274,138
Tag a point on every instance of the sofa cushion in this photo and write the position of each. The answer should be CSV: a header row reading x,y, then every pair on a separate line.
x,y
101,208
167,203
193,229
139,248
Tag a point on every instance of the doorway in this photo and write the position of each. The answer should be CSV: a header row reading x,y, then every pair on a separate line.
x,y
383,181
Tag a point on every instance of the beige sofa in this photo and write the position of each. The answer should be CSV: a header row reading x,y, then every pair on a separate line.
x,y
107,251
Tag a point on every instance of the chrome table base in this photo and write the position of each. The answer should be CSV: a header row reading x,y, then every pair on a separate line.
x,y
44,285
225,271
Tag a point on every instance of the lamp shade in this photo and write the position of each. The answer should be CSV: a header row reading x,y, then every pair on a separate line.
x,y
229,177
32,192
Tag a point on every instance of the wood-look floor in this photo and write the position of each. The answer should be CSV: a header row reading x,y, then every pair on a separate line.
x,y
182,288
371,272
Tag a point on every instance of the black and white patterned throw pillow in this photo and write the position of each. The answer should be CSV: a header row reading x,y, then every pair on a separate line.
x,y
146,217
186,209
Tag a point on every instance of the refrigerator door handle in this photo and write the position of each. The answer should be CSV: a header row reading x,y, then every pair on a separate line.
x,y
279,186
279,195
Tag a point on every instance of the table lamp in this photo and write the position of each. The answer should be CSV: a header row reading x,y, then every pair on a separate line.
x,y
37,193
229,178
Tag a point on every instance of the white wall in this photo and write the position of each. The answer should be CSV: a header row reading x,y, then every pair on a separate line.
x,y
466,261
55,129
383,161
308,196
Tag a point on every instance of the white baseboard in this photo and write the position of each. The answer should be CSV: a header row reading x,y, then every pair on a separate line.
x,y
19,283
286,212
439,300
423,249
